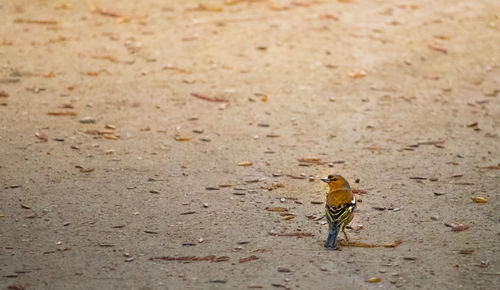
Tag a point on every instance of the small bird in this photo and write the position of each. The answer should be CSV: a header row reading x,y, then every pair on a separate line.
x,y
340,205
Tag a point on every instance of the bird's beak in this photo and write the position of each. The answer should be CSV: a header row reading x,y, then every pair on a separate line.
x,y
325,179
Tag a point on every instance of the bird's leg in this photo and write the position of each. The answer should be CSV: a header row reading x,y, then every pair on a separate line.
x,y
345,235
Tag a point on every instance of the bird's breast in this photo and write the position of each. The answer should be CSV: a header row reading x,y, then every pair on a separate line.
x,y
339,197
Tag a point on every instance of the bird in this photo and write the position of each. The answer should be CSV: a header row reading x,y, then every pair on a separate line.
x,y
340,206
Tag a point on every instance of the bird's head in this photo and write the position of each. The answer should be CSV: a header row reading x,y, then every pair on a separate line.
x,y
336,182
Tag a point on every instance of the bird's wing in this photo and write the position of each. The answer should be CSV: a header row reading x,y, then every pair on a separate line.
x,y
337,215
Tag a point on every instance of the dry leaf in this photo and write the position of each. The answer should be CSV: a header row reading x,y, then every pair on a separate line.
x,y
182,139
35,21
276,209
479,199
251,258
374,280
49,75
359,191
211,258
61,113
205,98
106,57
357,75
245,163
298,234
3,94
438,49
492,166
395,244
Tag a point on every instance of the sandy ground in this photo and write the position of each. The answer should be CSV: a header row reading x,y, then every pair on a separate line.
x,y
122,125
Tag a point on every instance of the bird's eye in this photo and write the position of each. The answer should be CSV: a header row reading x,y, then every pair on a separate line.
x,y
335,179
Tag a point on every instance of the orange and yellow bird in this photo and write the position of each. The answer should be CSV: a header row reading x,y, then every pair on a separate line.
x,y
340,205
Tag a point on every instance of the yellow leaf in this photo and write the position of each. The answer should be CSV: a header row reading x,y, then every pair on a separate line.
x,y
245,163
182,139
374,280
479,199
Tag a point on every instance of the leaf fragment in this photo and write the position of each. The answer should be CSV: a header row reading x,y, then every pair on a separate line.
x,y
276,209
248,259
245,163
374,280
479,199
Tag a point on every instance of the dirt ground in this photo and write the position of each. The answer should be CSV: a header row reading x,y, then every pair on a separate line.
x,y
152,144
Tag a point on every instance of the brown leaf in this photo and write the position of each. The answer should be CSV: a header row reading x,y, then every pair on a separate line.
x,y
105,57
248,259
276,209
205,98
3,94
492,166
438,49
395,244
298,235
86,170
35,21
210,258
466,251
181,139
61,113
359,191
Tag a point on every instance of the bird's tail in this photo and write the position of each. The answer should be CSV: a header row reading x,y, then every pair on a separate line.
x,y
331,241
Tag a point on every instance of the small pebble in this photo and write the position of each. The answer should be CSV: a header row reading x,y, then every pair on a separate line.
x,y
284,270
88,120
